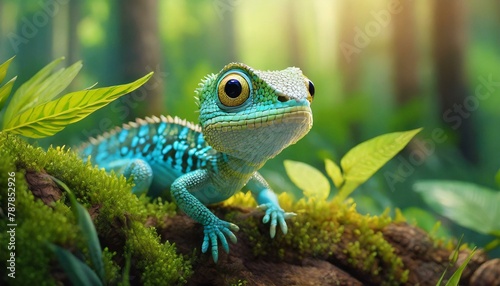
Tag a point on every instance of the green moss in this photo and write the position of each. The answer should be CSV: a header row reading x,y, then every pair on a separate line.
x,y
119,216
323,229
37,224
111,269
160,262
239,282
158,209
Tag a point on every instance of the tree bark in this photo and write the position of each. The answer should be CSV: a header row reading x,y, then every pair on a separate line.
x,y
426,261
405,54
349,64
449,51
73,41
140,52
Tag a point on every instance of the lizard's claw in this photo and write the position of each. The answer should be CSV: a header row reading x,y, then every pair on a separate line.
x,y
276,215
219,229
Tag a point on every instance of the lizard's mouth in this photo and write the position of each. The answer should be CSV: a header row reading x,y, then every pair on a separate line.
x,y
267,132
297,116
298,112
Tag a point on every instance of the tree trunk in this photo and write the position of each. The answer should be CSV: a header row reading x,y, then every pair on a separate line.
x,y
294,43
349,54
140,53
74,20
405,54
348,62
449,50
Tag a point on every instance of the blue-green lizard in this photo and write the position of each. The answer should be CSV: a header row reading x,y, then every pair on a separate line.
x,y
246,117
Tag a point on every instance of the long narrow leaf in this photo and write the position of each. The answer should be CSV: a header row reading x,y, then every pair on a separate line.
x,y
51,117
88,230
93,244
5,91
4,67
53,85
28,90
78,272
455,278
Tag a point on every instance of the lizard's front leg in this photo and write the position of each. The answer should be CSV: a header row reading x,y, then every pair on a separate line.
x,y
268,201
137,169
213,227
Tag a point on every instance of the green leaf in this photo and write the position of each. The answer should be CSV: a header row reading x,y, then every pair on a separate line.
x,y
497,178
455,278
87,229
311,181
28,91
362,161
467,204
49,118
334,172
5,91
6,88
52,86
78,272
492,245
4,67
93,244
456,252
126,269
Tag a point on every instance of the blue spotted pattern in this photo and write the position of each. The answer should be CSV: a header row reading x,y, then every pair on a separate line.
x,y
171,147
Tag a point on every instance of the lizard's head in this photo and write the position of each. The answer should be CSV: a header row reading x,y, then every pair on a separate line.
x,y
253,115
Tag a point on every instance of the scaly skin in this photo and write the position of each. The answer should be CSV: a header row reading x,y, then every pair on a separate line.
x,y
246,117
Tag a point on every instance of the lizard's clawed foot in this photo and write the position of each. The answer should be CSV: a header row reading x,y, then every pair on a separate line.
x,y
219,229
276,215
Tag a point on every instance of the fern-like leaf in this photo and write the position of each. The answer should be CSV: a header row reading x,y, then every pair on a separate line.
x,y
4,67
28,92
6,88
5,91
51,117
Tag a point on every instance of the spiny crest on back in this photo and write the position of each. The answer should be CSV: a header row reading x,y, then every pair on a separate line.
x,y
205,84
144,121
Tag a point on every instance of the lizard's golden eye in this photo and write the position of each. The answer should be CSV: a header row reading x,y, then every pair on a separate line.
x,y
310,88
233,90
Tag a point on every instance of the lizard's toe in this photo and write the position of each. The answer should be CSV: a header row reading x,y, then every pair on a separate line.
x,y
218,231
276,216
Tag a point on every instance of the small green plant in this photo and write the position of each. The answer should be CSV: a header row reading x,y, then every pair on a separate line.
x,y
469,205
356,167
38,110
78,272
455,278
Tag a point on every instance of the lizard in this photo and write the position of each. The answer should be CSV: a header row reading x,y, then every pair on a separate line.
x,y
246,117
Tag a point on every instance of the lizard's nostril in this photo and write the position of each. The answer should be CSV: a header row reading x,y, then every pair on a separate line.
x,y
283,98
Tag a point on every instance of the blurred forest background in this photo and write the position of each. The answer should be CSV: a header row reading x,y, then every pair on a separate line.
x,y
378,66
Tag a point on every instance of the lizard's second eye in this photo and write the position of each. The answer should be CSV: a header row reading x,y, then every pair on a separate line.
x,y
311,89
233,90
